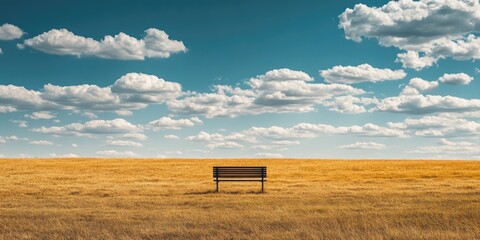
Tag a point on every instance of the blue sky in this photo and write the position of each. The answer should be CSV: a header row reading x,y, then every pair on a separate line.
x,y
303,79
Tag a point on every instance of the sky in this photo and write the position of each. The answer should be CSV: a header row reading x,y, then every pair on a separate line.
x,y
240,79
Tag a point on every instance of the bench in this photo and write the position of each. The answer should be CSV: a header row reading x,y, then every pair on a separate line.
x,y
240,174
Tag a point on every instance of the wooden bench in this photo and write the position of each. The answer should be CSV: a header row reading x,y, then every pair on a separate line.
x,y
240,174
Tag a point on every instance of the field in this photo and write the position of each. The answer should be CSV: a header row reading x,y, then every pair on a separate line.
x,y
174,199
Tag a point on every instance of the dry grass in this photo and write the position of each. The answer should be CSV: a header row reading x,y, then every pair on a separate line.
x,y
173,199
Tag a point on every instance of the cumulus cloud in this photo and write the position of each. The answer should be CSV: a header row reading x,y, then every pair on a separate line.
x,y
7,109
41,142
14,98
115,126
268,155
122,143
8,138
169,123
130,92
350,104
277,91
276,135
40,115
10,32
360,73
155,44
422,85
364,146
143,88
421,104
412,59
226,145
286,142
171,136
221,138
418,85
451,148
113,153
133,135
434,29
456,79
86,97
439,126
68,155
20,123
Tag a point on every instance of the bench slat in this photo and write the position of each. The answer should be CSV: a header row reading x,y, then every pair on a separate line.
x,y
240,180
239,174
239,167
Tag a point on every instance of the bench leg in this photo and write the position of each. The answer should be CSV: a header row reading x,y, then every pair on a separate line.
x,y
217,186
262,185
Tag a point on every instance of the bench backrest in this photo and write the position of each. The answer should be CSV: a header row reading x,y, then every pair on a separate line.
x,y
240,172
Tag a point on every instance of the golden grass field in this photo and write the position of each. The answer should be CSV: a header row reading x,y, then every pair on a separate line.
x,y
174,199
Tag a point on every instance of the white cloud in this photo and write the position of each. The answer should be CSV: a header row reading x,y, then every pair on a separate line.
x,y
412,59
175,152
113,153
127,93
364,145
122,143
155,44
171,136
21,123
474,114
143,88
421,104
124,112
277,91
7,109
89,115
456,79
226,145
451,149
221,138
367,130
269,155
74,145
68,155
41,142
439,126
14,98
10,32
115,126
136,136
418,85
86,97
8,138
276,135
350,104
169,123
360,73
40,115
436,29
286,142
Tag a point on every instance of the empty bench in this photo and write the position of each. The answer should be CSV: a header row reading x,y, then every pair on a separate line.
x,y
240,174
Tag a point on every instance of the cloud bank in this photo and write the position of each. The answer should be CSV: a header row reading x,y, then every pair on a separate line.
x,y
155,44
